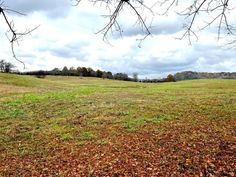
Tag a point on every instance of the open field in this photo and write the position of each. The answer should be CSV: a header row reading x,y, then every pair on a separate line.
x,y
71,126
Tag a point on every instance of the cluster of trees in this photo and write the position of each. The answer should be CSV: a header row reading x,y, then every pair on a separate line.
x,y
189,75
89,72
6,66
82,72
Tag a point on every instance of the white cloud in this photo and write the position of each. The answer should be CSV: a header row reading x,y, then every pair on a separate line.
x,y
66,36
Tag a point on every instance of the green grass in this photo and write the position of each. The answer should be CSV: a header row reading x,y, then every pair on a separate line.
x,y
63,109
87,135
11,113
16,80
132,124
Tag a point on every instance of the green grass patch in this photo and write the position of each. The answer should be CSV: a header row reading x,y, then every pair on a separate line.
x,y
12,113
18,80
66,136
48,96
132,124
87,136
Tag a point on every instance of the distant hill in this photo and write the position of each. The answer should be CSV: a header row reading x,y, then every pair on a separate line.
x,y
189,75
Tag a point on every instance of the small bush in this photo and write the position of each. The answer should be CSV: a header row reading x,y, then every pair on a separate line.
x,y
40,74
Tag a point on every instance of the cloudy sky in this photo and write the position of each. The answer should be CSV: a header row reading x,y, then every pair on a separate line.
x,y
67,37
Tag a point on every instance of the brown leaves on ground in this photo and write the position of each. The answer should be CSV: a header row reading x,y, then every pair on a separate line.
x,y
178,148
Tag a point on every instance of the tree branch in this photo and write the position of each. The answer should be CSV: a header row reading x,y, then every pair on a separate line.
x,y
14,34
113,23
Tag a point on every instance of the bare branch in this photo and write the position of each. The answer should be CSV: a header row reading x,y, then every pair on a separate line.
x,y
14,35
217,10
113,24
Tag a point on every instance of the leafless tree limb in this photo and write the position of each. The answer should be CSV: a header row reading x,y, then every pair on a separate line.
x,y
14,35
113,24
216,11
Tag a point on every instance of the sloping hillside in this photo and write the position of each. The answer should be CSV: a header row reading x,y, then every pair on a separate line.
x,y
68,126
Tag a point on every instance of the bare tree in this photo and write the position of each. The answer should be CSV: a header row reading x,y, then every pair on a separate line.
x,y
6,66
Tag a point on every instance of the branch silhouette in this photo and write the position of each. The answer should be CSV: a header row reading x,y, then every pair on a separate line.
x,y
14,35
113,24
216,11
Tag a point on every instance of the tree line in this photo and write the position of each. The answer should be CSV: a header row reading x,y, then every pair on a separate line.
x,y
7,67
89,72
190,75
81,72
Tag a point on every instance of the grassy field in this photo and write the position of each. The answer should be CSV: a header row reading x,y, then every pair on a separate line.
x,y
71,126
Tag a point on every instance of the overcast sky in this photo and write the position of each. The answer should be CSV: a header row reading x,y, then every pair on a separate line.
x,y
67,37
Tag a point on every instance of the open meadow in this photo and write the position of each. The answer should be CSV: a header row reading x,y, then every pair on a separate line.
x,y
72,126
